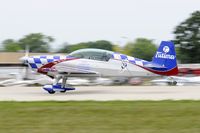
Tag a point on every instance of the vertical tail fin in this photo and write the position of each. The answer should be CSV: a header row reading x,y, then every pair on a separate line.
x,y
166,57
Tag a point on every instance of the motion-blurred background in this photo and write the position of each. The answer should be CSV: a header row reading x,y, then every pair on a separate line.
x,y
131,27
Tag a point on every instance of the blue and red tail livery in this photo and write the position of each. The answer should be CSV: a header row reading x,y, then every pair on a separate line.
x,y
164,60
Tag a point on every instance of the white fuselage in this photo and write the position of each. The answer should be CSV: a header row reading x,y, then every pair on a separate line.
x,y
111,68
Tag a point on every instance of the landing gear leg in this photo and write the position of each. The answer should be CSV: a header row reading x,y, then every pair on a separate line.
x,y
57,79
64,81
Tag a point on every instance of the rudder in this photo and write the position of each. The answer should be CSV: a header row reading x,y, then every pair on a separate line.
x,y
166,57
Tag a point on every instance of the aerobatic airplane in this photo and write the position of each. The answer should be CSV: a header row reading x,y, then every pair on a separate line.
x,y
97,62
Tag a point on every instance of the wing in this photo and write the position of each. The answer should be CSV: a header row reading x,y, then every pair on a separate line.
x,y
76,71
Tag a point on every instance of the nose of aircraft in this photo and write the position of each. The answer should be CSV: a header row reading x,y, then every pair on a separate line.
x,y
24,59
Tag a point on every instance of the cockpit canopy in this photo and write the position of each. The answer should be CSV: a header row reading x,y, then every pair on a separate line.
x,y
93,54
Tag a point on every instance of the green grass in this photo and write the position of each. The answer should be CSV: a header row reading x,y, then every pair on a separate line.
x,y
100,117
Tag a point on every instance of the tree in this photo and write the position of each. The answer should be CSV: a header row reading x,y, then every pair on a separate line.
x,y
37,42
11,45
118,49
141,48
101,44
187,39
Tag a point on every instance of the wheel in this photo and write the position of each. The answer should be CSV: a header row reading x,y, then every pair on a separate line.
x,y
51,92
173,83
63,91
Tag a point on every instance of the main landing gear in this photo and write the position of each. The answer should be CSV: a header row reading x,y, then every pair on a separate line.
x,y
58,87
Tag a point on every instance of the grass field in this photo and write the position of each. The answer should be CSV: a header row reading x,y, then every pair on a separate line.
x,y
100,117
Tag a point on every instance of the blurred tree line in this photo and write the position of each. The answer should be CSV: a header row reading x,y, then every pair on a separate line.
x,y
101,44
140,48
36,42
187,42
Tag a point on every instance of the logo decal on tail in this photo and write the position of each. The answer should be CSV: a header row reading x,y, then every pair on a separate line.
x,y
165,53
166,49
164,56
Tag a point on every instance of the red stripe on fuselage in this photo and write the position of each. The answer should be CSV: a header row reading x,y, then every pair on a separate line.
x,y
44,68
173,71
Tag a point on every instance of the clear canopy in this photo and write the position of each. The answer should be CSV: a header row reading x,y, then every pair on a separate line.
x,y
93,54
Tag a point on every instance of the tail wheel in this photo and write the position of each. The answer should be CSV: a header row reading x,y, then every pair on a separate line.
x,y
172,83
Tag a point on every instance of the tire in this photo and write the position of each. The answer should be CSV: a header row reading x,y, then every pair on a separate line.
x,y
51,92
63,91
173,83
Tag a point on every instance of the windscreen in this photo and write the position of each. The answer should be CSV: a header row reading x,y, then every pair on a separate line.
x,y
93,54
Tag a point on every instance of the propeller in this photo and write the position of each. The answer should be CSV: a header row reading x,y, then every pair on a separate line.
x,y
24,58
24,61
